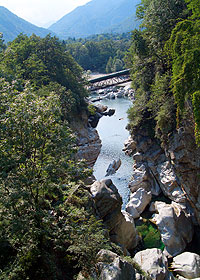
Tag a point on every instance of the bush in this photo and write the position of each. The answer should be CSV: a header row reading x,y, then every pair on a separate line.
x,y
150,236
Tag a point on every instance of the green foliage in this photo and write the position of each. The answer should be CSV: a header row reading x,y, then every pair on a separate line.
x,y
100,54
161,105
91,109
137,267
159,18
193,5
150,69
184,49
196,104
44,211
43,61
137,111
150,236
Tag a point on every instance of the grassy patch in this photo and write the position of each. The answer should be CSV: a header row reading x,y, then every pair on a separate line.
x,y
150,236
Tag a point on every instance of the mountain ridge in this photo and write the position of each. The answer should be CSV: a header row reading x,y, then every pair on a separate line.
x,y
96,17
11,26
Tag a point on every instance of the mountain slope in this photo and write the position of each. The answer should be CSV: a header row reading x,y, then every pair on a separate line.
x,y
12,25
97,16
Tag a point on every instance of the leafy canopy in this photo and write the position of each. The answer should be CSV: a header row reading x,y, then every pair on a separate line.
x,y
44,212
184,50
43,61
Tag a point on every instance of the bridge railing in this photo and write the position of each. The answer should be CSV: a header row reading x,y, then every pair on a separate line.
x,y
109,76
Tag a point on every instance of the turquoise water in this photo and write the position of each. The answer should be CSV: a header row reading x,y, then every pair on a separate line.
x,y
112,133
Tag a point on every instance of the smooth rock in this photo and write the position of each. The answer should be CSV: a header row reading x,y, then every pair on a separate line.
x,y
169,182
113,167
89,144
112,267
187,265
142,177
109,113
110,95
119,94
138,201
108,204
153,262
174,225
129,146
138,156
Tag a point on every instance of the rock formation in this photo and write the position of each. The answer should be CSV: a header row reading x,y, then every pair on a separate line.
x,y
88,140
108,205
187,264
173,170
174,225
138,202
111,266
154,262
113,167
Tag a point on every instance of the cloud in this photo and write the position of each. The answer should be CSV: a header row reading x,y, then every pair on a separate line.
x,y
40,12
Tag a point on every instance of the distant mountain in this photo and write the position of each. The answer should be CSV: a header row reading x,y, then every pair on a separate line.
x,y
12,25
96,17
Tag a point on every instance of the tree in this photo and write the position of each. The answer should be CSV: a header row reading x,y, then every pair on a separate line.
x,y
41,61
150,66
184,50
44,212
109,65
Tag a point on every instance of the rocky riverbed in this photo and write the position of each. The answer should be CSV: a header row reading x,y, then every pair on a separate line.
x,y
164,191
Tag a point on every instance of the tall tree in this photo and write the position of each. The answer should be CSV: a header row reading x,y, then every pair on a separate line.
x,y
184,49
41,61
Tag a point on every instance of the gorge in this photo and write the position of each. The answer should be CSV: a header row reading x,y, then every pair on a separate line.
x,y
148,168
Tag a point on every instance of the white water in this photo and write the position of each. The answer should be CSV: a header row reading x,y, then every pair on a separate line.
x,y
112,133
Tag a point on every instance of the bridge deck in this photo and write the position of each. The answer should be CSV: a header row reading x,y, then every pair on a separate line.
x,y
110,76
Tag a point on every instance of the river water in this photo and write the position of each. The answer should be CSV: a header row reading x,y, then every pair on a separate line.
x,y
112,133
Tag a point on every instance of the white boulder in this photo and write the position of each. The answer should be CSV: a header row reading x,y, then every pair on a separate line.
x,y
174,225
187,265
169,183
112,267
153,262
138,202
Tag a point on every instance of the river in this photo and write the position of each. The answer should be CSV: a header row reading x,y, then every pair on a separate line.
x,y
112,133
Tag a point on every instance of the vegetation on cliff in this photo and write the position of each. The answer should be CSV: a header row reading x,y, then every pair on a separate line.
x,y
164,57
48,227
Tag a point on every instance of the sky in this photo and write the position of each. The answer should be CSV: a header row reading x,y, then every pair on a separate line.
x,y
41,12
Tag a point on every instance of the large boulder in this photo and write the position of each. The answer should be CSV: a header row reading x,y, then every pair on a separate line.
x,y
113,167
111,267
169,182
109,113
153,262
108,205
142,177
187,264
138,202
174,225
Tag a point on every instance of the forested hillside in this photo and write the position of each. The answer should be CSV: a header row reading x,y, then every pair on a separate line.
x,y
164,57
97,17
100,53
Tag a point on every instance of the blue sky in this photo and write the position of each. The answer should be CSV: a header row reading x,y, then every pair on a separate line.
x,y
41,12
